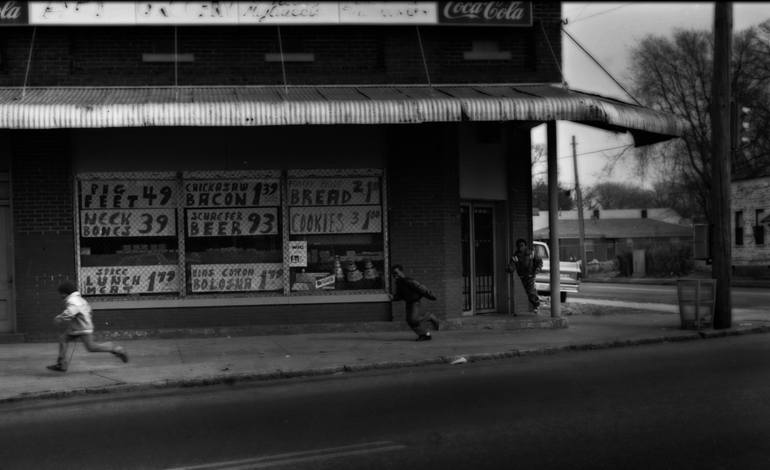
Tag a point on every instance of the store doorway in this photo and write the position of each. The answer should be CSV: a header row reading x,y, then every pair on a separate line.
x,y
478,253
6,256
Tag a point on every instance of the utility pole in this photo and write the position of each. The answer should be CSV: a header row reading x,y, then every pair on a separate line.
x,y
581,222
721,247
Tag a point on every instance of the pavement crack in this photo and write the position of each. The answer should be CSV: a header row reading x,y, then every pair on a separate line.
x,y
118,381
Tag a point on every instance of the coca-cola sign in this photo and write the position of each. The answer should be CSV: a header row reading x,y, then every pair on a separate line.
x,y
486,13
13,12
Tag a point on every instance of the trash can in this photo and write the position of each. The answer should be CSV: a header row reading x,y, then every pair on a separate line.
x,y
696,302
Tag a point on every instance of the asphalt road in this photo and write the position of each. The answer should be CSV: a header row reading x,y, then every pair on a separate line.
x,y
742,297
683,405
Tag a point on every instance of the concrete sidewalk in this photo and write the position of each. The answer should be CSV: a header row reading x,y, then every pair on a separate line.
x,y
156,363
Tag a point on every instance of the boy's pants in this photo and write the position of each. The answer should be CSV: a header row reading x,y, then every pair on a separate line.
x,y
415,318
529,287
88,342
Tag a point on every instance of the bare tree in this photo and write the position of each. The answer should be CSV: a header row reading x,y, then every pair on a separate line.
x,y
674,75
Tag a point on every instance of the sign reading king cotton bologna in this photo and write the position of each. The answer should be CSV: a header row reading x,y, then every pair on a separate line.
x,y
486,13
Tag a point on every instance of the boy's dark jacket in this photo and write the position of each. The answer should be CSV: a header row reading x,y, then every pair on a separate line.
x,y
411,291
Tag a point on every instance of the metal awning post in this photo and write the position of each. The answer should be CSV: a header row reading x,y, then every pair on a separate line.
x,y
553,218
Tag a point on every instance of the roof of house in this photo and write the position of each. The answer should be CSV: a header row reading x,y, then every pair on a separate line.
x,y
617,228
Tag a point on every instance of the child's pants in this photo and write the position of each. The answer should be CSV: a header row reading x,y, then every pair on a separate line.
x,y
88,342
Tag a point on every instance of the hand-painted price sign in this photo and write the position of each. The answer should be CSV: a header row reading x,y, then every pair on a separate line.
x,y
236,277
119,280
334,191
127,223
235,193
340,219
128,194
232,222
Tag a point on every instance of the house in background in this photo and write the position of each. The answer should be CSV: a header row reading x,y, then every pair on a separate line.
x,y
611,232
750,200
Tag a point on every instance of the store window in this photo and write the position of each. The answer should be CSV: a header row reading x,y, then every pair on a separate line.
x,y
128,241
221,233
335,231
232,232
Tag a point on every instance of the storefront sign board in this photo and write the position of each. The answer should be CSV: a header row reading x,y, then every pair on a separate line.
x,y
122,280
126,194
82,13
236,277
13,13
338,219
451,13
106,223
232,222
288,12
232,193
334,191
485,13
387,12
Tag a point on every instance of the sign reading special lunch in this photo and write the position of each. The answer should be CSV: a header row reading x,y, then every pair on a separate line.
x,y
127,223
236,277
338,219
232,222
117,280
334,191
232,193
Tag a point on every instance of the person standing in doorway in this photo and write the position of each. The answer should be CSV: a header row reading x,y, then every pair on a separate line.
x,y
411,291
79,327
526,263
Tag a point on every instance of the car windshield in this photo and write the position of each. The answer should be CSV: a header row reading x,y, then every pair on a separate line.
x,y
540,251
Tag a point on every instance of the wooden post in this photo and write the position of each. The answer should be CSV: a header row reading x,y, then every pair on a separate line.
x,y
720,164
553,218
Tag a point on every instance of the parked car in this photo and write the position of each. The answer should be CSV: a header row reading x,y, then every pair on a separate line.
x,y
569,273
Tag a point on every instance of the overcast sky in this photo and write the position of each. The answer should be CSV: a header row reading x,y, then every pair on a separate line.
x,y
609,31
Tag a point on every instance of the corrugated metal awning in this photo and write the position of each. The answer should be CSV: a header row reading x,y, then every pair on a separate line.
x,y
99,107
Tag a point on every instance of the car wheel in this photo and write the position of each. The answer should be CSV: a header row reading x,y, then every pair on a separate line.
x,y
563,297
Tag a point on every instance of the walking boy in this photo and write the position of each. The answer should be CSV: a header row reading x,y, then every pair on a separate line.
x,y
526,263
77,317
411,291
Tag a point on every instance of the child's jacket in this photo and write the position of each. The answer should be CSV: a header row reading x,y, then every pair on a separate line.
x,y
77,314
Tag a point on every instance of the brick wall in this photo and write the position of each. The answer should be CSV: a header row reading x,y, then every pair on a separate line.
x,y
520,198
42,217
78,56
424,212
748,196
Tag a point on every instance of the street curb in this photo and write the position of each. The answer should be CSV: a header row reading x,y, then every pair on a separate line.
x,y
231,379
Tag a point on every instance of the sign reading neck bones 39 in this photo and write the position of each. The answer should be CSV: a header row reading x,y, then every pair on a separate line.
x,y
499,13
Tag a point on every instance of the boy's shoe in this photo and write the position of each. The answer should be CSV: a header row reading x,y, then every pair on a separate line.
x,y
121,353
425,337
434,321
57,368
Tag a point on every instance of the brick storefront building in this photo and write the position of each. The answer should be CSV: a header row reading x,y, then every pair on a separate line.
x,y
216,164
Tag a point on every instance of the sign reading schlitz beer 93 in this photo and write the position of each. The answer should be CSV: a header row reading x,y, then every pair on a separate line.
x,y
13,12
486,13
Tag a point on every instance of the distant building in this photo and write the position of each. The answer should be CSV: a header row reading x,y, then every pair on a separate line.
x,y
750,200
608,233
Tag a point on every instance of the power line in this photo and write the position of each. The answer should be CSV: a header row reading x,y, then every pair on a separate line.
x,y
601,13
596,61
598,151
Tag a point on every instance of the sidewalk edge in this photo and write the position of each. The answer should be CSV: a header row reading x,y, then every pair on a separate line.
x,y
334,370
